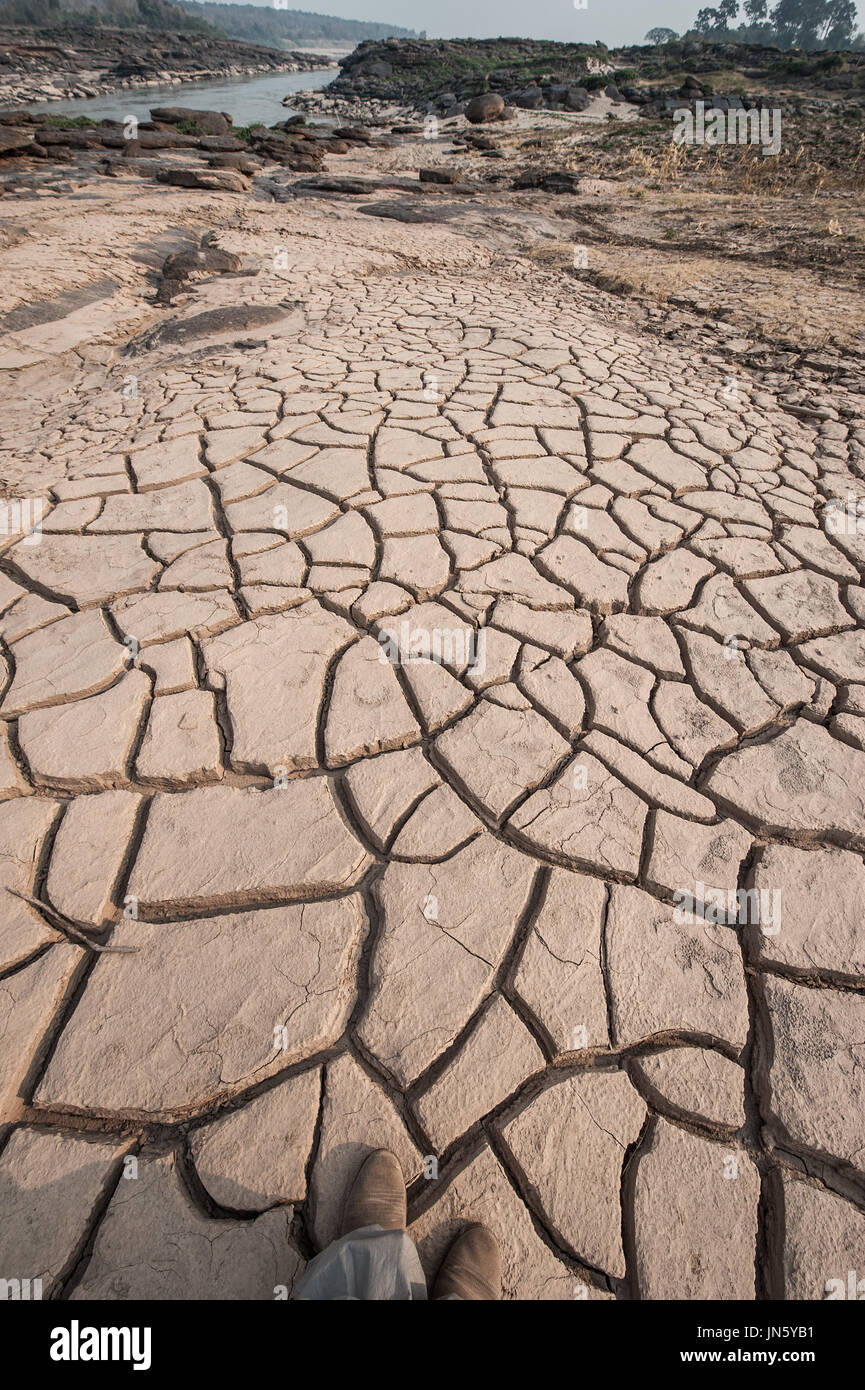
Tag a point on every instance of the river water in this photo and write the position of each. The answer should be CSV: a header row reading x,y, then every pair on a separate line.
x,y
248,100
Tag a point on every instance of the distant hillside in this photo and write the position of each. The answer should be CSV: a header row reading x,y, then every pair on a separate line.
x,y
284,28
116,14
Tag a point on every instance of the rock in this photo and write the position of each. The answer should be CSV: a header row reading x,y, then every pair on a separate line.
x,y
15,141
823,1241
222,144
164,140
210,259
205,122
559,974
154,1243
483,1192
255,1157
486,107
407,212
816,1085
696,1081
223,180
498,1056
227,846
211,323
205,1008
439,175
695,1218
244,163
588,1122
529,100
448,925
669,976
50,1190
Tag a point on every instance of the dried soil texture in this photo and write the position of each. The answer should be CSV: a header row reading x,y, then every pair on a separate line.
x,y
433,717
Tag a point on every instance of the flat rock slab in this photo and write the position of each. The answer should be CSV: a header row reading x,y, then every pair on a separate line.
x,y
695,1211
229,846
199,1258
206,1007
51,1185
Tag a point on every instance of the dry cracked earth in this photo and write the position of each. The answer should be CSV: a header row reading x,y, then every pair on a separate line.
x,y
438,724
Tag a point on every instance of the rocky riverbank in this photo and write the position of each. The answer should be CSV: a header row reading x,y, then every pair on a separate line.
x,y
442,76
38,65
716,244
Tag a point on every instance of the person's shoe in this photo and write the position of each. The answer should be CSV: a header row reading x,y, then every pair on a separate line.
x,y
472,1267
377,1195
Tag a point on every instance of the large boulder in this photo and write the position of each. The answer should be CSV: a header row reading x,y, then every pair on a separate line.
x,y
15,142
205,122
438,175
577,99
246,163
77,139
530,99
222,144
203,258
219,180
166,140
486,107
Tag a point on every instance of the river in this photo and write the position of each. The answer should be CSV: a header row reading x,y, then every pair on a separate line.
x,y
248,100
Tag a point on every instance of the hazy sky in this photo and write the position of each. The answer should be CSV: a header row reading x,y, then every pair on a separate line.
x,y
611,21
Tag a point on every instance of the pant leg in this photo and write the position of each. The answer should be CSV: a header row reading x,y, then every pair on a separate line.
x,y
368,1265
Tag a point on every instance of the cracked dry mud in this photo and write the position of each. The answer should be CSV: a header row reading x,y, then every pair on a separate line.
x,y
433,905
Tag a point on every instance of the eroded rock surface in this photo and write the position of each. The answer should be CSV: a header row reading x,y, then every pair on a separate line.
x,y
451,702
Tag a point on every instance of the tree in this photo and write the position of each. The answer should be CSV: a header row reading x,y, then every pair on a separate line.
x,y
661,36
717,21
807,24
811,24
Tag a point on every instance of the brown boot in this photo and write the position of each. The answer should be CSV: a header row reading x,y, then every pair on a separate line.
x,y
472,1267
377,1195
